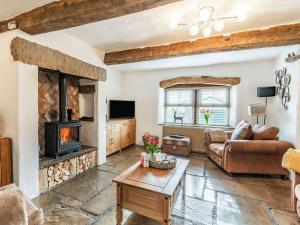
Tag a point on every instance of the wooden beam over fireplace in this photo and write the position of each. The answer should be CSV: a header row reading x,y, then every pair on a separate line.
x,y
64,14
274,36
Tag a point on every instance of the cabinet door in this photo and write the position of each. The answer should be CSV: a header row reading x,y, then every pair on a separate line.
x,y
131,134
116,139
108,142
125,139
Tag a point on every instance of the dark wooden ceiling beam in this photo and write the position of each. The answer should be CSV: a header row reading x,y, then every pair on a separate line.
x,y
274,36
64,14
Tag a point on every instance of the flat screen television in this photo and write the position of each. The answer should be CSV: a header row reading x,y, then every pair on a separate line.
x,y
121,109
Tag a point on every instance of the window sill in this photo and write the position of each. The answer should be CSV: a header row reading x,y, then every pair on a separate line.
x,y
195,126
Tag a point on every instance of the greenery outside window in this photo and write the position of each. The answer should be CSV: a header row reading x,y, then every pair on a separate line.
x,y
186,103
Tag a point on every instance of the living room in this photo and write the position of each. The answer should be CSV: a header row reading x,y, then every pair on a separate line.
x,y
65,63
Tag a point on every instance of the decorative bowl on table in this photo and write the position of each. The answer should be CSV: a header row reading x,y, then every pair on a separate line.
x,y
168,163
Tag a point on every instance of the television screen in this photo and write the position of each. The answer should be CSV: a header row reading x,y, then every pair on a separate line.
x,y
121,109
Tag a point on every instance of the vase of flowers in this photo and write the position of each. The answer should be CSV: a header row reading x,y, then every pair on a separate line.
x,y
152,145
207,113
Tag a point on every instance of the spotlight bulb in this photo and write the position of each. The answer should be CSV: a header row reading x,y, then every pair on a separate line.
x,y
205,14
206,31
242,16
194,30
219,25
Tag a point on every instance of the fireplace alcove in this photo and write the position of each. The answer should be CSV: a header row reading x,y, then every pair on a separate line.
x,y
62,155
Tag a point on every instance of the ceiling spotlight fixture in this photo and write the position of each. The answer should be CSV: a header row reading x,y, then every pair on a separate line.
x,y
219,25
206,13
206,31
205,20
194,30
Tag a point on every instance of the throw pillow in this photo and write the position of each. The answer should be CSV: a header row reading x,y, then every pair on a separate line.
x,y
243,131
12,207
217,135
263,132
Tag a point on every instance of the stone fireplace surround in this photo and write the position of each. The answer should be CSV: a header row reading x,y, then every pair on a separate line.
x,y
20,117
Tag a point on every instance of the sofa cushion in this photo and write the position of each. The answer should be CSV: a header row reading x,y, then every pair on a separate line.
x,y
217,148
12,207
217,135
243,131
263,132
290,160
297,191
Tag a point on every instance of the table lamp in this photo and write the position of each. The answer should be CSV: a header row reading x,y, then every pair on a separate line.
x,y
266,92
257,110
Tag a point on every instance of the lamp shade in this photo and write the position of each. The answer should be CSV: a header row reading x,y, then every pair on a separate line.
x,y
257,109
266,91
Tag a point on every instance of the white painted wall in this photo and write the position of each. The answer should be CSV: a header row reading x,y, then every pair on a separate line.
x,y
28,143
288,120
9,97
19,115
143,87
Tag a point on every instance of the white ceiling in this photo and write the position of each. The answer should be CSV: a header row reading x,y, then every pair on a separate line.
x,y
150,27
11,8
205,59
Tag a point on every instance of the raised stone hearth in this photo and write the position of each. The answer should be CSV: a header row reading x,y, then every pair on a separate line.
x,y
56,171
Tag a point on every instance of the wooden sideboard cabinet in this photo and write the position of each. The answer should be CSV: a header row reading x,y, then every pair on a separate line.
x,y
5,161
119,134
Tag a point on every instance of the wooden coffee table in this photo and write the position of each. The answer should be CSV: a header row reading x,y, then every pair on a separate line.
x,y
150,192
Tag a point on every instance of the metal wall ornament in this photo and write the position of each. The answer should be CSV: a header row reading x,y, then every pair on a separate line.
x,y
282,89
292,57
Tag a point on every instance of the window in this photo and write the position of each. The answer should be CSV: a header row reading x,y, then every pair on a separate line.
x,y
179,103
216,99
183,105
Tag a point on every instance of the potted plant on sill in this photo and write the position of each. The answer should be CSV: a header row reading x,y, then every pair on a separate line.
x,y
207,113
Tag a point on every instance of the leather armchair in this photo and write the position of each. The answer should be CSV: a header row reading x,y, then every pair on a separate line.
x,y
34,213
295,192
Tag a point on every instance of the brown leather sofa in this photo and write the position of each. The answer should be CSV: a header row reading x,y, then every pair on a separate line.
x,y
248,156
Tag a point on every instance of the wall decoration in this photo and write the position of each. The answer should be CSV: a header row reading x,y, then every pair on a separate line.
x,y
283,80
175,117
292,57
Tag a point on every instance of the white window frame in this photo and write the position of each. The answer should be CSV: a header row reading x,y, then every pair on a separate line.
x,y
195,105
181,105
226,105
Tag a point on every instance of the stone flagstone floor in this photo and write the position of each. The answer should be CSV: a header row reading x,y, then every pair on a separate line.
x,y
212,197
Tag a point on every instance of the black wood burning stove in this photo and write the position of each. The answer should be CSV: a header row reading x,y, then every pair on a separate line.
x,y
63,136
